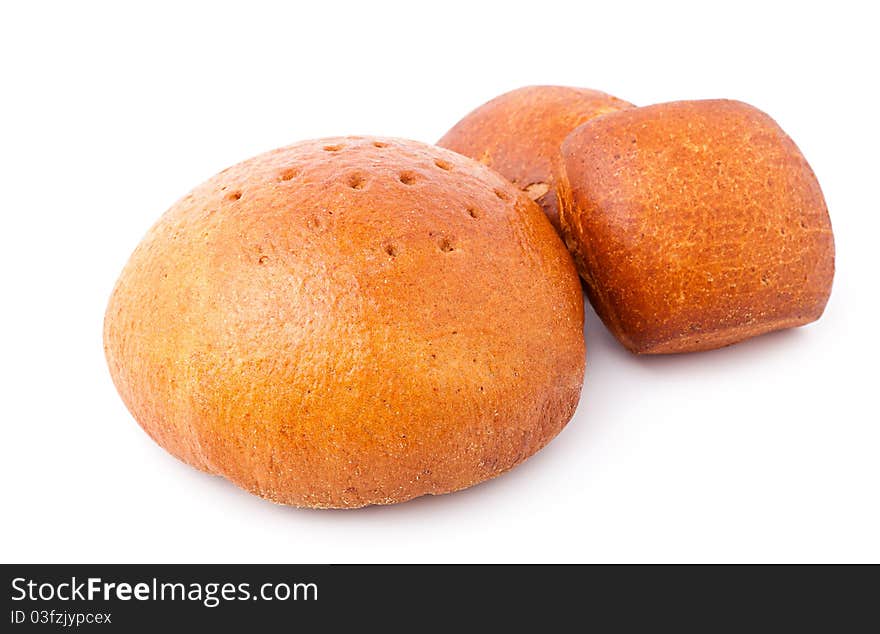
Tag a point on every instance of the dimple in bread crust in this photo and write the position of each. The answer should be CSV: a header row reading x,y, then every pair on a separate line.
x,y
695,225
350,321
519,134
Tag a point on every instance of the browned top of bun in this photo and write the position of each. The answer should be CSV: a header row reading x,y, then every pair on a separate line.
x,y
519,134
350,321
696,224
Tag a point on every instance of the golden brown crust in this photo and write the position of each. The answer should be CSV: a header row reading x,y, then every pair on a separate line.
x,y
520,132
695,224
350,321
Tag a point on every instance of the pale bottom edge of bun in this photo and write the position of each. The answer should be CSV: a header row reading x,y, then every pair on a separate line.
x,y
282,498
281,501
722,338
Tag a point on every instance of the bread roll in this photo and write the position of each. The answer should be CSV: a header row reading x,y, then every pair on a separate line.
x,y
350,321
519,135
695,224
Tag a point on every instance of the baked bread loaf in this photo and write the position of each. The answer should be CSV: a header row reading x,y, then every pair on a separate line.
x,y
520,132
695,224
350,321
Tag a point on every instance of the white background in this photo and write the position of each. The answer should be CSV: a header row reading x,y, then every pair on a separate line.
x,y
765,451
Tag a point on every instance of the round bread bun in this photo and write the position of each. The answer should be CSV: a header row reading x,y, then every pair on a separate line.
x,y
350,321
520,132
695,224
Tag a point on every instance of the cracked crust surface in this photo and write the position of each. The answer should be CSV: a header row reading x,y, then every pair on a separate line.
x,y
350,321
695,224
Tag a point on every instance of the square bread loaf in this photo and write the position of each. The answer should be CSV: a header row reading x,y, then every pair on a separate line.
x,y
695,224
